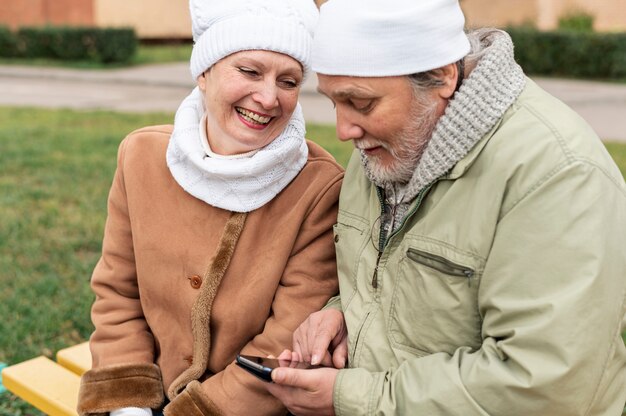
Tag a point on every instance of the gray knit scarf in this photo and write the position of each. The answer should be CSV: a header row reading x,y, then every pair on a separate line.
x,y
489,90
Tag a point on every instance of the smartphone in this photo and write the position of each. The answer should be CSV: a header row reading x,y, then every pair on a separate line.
x,y
262,367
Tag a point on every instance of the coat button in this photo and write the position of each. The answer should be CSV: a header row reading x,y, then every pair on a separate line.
x,y
195,281
336,238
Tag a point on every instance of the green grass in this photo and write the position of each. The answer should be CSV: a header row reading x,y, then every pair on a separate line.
x,y
146,54
56,167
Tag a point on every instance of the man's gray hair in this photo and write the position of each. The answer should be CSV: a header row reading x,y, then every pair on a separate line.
x,y
478,39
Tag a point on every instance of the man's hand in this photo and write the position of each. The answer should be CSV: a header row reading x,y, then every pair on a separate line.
x,y
304,392
323,333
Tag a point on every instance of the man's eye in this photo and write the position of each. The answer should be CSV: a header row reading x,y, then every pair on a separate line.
x,y
362,105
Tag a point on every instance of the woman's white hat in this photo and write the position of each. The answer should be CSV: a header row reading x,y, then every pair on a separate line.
x,y
376,38
223,27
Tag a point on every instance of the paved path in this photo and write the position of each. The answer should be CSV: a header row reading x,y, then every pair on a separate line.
x,y
162,87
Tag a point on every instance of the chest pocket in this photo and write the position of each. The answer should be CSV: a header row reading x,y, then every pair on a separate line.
x,y
434,304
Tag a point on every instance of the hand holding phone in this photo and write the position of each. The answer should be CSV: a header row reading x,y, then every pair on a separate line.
x,y
262,367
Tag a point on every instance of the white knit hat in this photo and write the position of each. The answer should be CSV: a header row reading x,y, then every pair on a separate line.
x,y
223,27
377,38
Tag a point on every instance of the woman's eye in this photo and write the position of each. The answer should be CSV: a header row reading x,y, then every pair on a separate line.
x,y
248,71
289,83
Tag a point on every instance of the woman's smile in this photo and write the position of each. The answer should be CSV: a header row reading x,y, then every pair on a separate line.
x,y
253,119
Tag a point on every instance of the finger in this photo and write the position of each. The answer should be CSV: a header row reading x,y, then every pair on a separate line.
x,y
300,341
292,377
295,356
285,355
340,354
327,361
320,346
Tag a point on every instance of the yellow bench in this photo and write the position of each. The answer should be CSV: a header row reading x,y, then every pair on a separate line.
x,y
51,387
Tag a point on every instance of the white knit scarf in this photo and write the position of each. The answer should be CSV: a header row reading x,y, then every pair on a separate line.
x,y
242,184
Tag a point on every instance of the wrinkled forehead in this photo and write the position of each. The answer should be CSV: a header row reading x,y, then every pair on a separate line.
x,y
346,87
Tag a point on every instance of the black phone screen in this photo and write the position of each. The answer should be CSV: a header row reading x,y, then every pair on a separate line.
x,y
262,367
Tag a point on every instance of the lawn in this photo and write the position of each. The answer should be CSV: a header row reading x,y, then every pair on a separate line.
x,y
55,170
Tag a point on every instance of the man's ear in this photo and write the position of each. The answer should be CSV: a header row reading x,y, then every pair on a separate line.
x,y
449,75
201,81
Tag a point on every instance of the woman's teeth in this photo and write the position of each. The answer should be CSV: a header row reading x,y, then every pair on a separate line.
x,y
251,117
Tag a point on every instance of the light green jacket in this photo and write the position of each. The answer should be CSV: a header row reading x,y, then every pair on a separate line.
x,y
504,292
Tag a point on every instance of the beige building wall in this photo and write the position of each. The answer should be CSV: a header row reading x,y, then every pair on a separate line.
x,y
150,18
609,15
498,13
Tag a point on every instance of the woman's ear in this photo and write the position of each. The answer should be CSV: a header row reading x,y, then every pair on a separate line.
x,y
449,75
201,81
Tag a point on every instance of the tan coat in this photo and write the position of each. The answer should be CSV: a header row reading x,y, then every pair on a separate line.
x,y
159,285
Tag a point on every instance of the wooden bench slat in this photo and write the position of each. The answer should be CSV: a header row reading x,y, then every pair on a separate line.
x,y
45,384
76,358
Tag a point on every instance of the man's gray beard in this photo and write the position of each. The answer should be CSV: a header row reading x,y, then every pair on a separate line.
x,y
408,146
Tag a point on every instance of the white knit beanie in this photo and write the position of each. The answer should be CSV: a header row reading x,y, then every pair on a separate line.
x,y
377,38
223,27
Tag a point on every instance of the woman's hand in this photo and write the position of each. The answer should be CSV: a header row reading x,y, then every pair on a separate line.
x,y
322,339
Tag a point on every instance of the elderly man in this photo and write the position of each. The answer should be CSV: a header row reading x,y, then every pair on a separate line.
x,y
481,231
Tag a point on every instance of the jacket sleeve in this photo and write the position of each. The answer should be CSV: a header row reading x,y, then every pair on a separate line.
x,y
552,299
122,347
308,281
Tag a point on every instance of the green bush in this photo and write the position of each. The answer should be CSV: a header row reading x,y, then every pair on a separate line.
x,y
578,22
35,42
76,44
116,45
570,53
7,42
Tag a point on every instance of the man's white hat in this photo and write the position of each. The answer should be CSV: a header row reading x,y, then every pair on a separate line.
x,y
223,27
376,38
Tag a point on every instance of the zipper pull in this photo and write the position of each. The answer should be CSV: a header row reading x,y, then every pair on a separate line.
x,y
468,273
375,277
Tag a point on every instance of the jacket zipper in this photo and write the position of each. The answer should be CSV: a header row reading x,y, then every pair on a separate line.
x,y
440,264
382,239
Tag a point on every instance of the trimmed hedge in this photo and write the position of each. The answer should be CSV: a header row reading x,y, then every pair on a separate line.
x,y
570,53
72,43
7,42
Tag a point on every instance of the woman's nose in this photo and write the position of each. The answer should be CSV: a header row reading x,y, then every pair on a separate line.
x,y
266,94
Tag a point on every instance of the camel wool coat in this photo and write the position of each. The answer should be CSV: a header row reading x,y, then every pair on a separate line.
x,y
182,286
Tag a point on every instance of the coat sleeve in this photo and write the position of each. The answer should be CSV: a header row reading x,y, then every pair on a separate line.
x,y
552,299
122,346
308,281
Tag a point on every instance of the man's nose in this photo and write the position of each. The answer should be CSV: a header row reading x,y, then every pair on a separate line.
x,y
347,129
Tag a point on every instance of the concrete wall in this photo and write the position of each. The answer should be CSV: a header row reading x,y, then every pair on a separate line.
x,y
150,18
19,13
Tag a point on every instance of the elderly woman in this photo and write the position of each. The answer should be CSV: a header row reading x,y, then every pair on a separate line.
x,y
219,232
